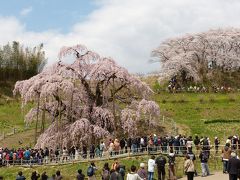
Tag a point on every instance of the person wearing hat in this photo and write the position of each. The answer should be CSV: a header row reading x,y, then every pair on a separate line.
x,y
142,171
233,166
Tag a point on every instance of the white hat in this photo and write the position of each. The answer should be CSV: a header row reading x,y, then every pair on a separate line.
x,y
142,165
233,154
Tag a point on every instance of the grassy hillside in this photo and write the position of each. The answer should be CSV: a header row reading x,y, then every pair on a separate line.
x,y
197,112
190,111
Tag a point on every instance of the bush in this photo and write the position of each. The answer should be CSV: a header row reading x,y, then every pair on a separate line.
x,y
222,121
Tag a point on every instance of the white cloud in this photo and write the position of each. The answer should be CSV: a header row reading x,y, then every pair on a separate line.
x,y
26,11
128,30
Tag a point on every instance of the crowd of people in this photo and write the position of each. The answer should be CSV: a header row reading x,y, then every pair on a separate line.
x,y
174,87
171,146
109,148
117,171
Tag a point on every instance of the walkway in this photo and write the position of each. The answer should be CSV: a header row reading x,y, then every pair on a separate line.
x,y
214,176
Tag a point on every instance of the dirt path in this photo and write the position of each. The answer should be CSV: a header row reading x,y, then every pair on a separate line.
x,y
214,176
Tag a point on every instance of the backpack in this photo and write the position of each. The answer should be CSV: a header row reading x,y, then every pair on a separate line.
x,y
204,156
105,175
161,161
122,171
90,171
171,160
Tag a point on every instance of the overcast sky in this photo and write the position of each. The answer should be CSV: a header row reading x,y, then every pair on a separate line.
x,y
126,30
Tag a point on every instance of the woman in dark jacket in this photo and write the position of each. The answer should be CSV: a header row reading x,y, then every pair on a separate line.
x,y
233,166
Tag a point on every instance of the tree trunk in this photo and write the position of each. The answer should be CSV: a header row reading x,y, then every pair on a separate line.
x,y
71,105
43,117
36,127
113,105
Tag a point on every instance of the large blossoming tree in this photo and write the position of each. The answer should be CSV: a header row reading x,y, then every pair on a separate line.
x,y
85,101
201,57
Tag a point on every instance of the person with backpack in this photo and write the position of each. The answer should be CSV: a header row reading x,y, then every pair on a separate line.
x,y
80,175
193,158
204,155
91,171
106,172
189,168
133,175
161,161
122,171
115,175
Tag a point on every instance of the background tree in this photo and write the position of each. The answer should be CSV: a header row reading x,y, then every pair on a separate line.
x,y
203,57
18,62
84,99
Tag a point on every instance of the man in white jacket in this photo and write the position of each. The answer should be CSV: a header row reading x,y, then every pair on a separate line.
x,y
151,165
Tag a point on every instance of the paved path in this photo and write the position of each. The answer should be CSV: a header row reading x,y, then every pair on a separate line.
x,y
214,176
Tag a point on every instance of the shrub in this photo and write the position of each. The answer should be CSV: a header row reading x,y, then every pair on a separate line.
x,y
222,121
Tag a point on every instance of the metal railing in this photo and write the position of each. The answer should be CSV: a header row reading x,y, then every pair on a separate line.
x,y
107,155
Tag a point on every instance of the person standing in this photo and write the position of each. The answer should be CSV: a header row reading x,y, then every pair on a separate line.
x,y
35,175
91,171
133,175
160,162
189,168
151,165
115,175
226,154
106,172
58,176
80,176
44,176
142,171
216,144
171,162
102,147
233,166
20,176
204,155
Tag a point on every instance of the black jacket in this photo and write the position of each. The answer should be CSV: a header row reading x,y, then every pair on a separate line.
x,y
233,166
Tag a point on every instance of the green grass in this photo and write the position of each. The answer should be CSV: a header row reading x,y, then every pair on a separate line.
x,y
11,117
191,110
